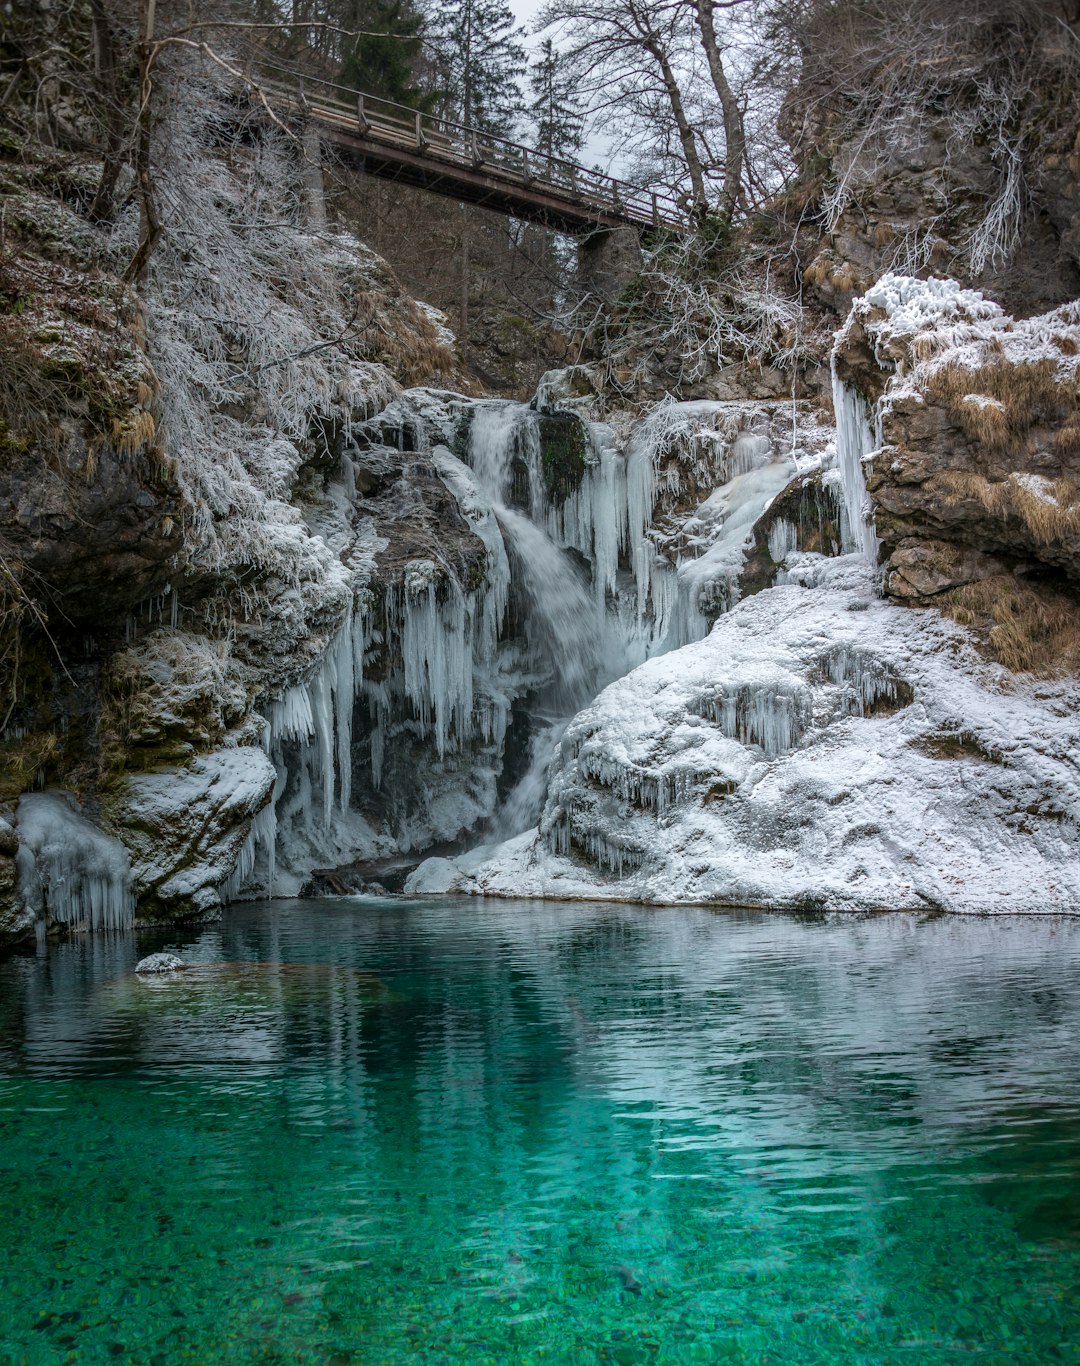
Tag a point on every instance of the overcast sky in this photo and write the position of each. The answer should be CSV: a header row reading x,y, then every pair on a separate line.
x,y
597,149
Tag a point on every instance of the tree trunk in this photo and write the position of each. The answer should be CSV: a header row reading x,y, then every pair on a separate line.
x,y
700,202
734,127
463,284
150,226
312,179
107,76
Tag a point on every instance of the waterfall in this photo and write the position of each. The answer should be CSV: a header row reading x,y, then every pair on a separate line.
x,y
442,697
563,622
854,441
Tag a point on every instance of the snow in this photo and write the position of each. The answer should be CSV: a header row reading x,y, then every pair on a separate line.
x,y
69,870
160,962
783,762
917,326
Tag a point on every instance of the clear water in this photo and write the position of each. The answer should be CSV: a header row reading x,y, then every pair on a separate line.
x,y
523,1133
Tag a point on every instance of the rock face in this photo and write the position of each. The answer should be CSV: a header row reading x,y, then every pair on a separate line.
x,y
936,141
973,421
181,536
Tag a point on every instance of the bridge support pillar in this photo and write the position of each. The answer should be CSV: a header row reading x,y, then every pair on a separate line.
x,y
608,260
311,178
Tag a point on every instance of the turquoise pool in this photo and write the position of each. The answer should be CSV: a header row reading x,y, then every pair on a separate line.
x,y
406,1132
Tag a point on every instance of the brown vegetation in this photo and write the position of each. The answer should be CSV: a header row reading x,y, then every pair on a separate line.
x,y
1029,627
998,403
1047,514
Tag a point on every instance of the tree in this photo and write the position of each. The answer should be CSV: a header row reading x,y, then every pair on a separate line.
x,y
384,61
734,127
607,43
478,51
554,110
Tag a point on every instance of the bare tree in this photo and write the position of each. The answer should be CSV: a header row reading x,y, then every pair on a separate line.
x,y
627,53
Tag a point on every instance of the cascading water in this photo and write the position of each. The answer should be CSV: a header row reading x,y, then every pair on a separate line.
x,y
563,621
440,703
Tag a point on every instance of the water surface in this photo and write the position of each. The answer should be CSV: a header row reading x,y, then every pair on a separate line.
x,y
389,1132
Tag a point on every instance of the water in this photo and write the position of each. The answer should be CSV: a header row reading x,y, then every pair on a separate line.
x,y
370,1132
564,624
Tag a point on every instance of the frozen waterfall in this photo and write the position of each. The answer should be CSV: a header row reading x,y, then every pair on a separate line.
x,y
441,699
855,440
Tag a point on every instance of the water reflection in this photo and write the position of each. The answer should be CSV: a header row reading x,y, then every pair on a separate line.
x,y
362,1130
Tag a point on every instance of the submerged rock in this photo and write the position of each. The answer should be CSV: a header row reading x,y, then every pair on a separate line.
x,y
160,962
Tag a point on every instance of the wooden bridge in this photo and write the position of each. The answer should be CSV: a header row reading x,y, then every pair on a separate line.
x,y
447,158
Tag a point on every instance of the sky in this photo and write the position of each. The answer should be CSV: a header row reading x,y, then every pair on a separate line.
x,y
598,148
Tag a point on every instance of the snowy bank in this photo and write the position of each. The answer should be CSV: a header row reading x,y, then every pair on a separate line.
x,y
819,748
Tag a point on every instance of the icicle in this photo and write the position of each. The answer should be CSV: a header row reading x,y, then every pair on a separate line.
x,y
864,679
773,716
854,441
69,868
783,539
436,648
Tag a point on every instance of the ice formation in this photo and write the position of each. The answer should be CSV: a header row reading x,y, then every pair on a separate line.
x,y
855,442
69,870
820,747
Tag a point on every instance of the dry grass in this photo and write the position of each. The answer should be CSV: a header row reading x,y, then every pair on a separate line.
x,y
133,432
1067,439
1049,514
1029,628
1021,396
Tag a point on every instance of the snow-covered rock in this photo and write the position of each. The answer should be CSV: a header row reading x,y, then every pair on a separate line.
x,y
186,827
155,963
820,748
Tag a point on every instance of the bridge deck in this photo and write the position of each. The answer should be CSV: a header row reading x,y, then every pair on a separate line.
x,y
400,144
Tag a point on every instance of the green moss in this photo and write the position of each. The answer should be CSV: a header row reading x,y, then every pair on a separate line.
x,y
563,450
476,572
807,505
459,442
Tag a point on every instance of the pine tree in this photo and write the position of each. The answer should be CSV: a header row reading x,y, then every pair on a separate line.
x,y
478,53
386,66
554,110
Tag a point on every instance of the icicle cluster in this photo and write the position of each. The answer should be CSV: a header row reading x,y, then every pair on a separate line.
x,y
70,870
864,680
618,856
773,715
783,539
657,792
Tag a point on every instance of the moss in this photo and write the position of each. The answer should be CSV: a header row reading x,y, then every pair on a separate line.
x,y
459,441
563,452
168,754
476,573
807,505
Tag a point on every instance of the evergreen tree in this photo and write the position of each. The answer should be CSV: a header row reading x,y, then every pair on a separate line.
x,y
386,66
554,110
478,53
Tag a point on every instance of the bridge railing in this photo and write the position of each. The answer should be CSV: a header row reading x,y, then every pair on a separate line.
x,y
444,139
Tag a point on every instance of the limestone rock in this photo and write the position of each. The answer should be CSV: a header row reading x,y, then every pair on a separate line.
x,y
185,827
921,569
978,420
